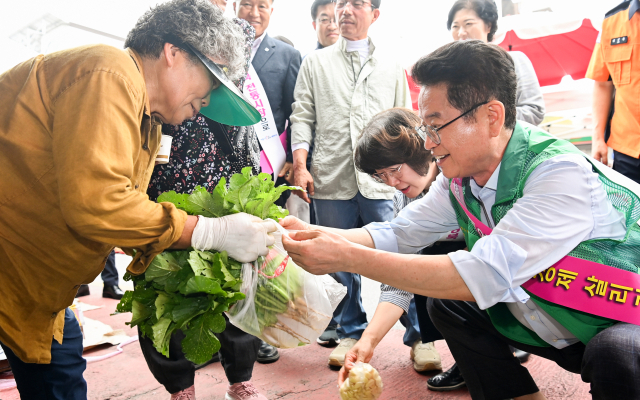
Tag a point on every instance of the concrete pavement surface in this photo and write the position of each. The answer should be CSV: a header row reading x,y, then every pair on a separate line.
x,y
301,373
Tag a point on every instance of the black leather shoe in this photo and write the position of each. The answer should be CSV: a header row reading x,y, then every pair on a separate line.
x,y
267,353
450,379
112,292
83,290
523,356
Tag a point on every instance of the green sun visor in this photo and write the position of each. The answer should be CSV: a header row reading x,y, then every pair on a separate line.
x,y
228,105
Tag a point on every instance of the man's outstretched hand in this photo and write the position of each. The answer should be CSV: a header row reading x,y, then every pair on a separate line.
x,y
319,252
292,223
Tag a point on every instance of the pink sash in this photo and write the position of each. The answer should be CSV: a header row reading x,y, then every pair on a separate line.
x,y
578,284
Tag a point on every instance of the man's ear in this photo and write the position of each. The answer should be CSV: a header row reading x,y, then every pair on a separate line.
x,y
315,28
496,117
234,8
376,15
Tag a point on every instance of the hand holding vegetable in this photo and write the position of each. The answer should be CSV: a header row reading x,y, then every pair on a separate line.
x,y
189,290
244,237
363,383
362,352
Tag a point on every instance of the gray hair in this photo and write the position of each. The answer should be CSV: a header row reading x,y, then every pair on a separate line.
x,y
195,22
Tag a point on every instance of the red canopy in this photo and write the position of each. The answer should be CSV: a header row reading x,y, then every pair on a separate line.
x,y
555,56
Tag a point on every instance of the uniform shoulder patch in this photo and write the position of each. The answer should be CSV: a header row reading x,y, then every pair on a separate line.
x,y
620,7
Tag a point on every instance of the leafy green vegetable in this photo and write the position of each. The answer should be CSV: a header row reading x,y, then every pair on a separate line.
x,y
189,290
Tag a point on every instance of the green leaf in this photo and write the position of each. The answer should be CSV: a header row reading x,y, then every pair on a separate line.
x,y
202,284
230,284
200,343
161,304
247,172
200,266
215,322
220,270
125,302
160,341
276,212
177,199
235,297
236,182
203,203
140,313
163,266
144,295
189,308
174,282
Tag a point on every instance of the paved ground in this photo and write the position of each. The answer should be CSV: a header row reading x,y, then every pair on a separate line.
x,y
300,373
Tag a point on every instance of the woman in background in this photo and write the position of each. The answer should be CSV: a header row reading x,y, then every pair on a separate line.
x,y
478,19
392,151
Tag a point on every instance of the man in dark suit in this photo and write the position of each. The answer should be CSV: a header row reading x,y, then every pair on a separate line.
x,y
276,64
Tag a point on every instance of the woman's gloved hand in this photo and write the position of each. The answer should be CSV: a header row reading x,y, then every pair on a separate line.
x,y
243,236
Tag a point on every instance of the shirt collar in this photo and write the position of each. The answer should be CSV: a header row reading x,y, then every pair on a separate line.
x,y
138,61
633,7
492,183
258,41
319,46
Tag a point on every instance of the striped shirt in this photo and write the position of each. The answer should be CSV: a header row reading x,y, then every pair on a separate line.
x,y
390,294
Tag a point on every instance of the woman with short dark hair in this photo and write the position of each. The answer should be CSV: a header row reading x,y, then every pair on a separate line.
x,y
478,19
392,151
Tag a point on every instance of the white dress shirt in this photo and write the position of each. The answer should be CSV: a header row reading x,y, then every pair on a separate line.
x,y
563,205
256,45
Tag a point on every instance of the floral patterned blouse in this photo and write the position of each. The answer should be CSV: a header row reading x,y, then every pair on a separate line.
x,y
197,158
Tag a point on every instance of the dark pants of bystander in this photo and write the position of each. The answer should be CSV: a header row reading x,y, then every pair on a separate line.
x,y
238,353
61,379
626,165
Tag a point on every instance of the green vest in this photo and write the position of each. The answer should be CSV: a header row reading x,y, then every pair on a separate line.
x,y
527,148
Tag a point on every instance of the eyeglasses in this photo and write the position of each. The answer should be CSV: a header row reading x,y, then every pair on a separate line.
x,y
356,4
433,133
383,177
326,21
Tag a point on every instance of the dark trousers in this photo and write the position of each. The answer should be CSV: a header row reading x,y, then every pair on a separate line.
x,y
62,378
110,273
238,353
626,165
609,362
428,330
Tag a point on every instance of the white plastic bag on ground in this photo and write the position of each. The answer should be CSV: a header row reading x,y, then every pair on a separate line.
x,y
285,305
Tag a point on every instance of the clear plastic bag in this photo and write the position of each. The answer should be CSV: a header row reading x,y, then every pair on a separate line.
x,y
363,383
285,305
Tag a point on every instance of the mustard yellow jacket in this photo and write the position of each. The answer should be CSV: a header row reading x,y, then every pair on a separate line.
x,y
77,149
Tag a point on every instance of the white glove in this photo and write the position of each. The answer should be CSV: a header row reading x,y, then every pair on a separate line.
x,y
243,236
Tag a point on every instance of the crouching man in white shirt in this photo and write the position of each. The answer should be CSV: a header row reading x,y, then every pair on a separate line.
x,y
552,265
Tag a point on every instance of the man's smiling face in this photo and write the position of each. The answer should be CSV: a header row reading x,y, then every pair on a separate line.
x,y
463,149
255,12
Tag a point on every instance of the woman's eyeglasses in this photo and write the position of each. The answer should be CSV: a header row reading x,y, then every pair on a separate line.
x,y
383,177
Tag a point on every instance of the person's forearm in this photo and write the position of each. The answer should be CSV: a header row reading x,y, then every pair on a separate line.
x,y
602,95
300,159
187,232
357,235
431,276
386,315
